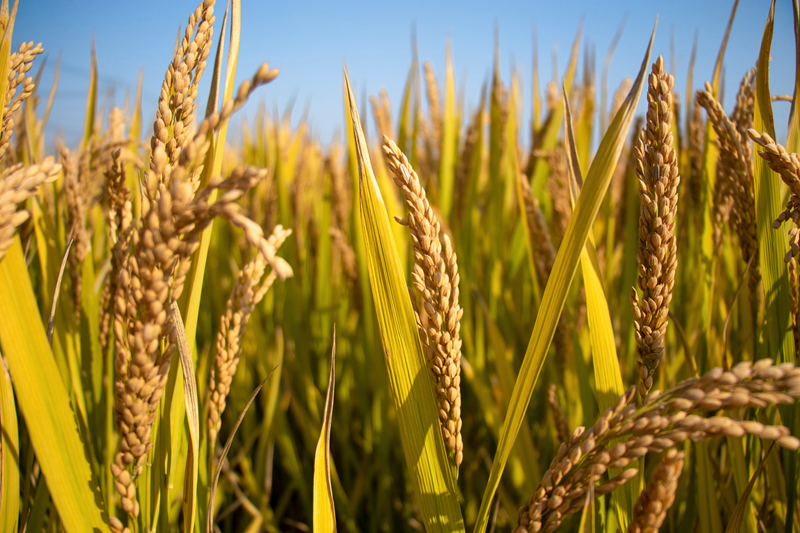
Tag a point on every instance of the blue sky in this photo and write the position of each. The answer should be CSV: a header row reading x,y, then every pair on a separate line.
x,y
311,41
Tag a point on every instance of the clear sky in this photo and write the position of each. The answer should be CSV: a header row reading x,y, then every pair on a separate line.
x,y
311,41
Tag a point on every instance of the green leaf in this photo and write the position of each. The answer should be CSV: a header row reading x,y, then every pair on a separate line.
x,y
324,510
772,246
409,378
44,401
190,399
9,455
447,163
607,375
737,518
555,293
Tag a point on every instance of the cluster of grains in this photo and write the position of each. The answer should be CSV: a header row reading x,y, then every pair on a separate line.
x,y
625,433
78,195
167,234
787,165
19,65
117,199
544,253
247,292
347,254
18,185
436,281
382,112
434,103
562,427
794,300
657,171
178,98
659,494
340,189
558,188
734,177
694,146
465,162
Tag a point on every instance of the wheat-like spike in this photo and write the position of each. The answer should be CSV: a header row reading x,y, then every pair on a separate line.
x,y
120,218
744,109
464,164
562,427
20,63
173,218
788,167
340,190
558,188
794,299
626,432
695,138
722,205
552,96
436,280
434,103
18,185
247,292
78,193
657,170
734,161
659,494
544,253
347,253
177,101
382,112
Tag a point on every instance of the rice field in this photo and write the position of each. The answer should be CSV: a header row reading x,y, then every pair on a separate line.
x,y
434,327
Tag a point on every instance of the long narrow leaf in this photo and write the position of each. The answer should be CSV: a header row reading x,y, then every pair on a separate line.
x,y
324,510
409,379
555,293
607,375
9,455
44,402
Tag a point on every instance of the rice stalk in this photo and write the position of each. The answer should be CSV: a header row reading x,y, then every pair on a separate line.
x,y
788,167
657,170
436,280
247,292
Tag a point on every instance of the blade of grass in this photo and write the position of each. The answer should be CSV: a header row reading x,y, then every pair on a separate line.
x,y
607,375
213,487
44,402
772,245
324,510
91,101
9,455
447,162
409,379
555,292
737,518
190,399
793,144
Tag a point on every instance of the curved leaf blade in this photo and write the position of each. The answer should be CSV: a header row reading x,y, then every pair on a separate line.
x,y
44,401
555,293
409,381
324,510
